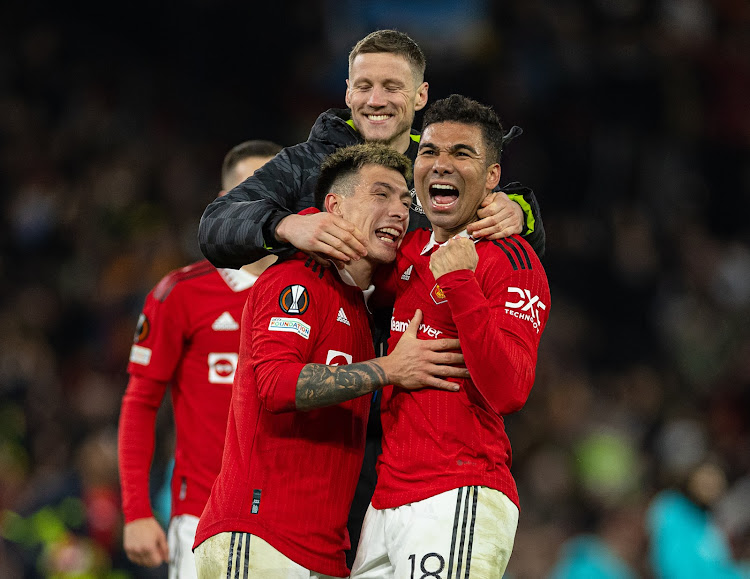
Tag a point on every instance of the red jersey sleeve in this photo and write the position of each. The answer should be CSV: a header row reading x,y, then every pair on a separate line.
x,y
285,315
157,348
500,313
135,444
161,333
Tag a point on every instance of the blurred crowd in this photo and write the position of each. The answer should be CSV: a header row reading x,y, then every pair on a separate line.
x,y
632,455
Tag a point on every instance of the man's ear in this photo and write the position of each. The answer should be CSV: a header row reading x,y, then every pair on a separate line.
x,y
421,97
332,204
346,95
493,176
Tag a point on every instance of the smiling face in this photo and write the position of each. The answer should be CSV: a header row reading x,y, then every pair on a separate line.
x,y
379,207
383,94
452,176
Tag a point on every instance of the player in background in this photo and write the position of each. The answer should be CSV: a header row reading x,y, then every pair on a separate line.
x,y
187,339
296,430
446,504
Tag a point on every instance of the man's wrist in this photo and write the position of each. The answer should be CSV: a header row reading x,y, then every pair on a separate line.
x,y
383,365
271,240
279,233
464,271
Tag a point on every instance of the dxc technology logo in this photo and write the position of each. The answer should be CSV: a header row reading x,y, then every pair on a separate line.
x,y
526,308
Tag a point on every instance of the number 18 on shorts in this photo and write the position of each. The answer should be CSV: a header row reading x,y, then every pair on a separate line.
x,y
464,533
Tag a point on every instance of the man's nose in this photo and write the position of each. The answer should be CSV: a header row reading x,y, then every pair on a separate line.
x,y
398,209
377,97
442,163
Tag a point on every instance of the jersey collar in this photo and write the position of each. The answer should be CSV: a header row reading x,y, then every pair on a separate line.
x,y
238,280
431,244
347,278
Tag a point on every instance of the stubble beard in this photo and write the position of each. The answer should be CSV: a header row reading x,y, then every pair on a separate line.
x,y
399,133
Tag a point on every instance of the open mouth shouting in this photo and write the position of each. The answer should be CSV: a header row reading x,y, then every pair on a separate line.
x,y
443,196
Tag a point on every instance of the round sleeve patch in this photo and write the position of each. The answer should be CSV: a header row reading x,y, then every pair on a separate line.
x,y
142,329
294,299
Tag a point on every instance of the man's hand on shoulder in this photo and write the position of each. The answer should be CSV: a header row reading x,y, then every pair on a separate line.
x,y
457,253
323,236
499,216
145,542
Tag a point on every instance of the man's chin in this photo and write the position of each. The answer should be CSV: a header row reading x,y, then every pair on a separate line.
x,y
379,139
447,221
381,134
440,218
383,257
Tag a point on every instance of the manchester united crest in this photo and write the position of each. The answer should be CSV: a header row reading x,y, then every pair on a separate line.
x,y
437,295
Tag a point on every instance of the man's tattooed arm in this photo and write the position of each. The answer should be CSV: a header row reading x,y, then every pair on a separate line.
x,y
319,385
412,364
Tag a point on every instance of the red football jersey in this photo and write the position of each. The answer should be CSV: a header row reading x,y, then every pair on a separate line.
x,y
288,476
187,338
435,440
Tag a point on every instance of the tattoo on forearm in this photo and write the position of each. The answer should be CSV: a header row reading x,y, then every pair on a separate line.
x,y
319,385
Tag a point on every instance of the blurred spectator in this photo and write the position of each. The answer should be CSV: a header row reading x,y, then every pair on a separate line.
x,y
685,540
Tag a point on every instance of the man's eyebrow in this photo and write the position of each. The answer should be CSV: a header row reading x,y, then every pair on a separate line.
x,y
458,146
367,79
382,184
452,149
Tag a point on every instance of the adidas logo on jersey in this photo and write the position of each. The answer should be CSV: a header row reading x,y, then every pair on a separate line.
x,y
407,274
342,317
225,323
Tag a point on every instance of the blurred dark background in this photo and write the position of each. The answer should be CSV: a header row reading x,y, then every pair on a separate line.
x,y
114,119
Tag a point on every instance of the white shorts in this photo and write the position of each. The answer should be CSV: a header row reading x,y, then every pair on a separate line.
x,y
246,556
180,538
465,533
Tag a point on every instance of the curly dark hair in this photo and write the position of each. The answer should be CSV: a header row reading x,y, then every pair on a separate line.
x,y
461,109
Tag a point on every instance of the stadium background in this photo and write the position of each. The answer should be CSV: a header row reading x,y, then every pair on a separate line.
x,y
113,123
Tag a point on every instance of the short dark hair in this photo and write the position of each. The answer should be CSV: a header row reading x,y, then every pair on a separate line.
x,y
342,167
393,42
460,109
253,148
